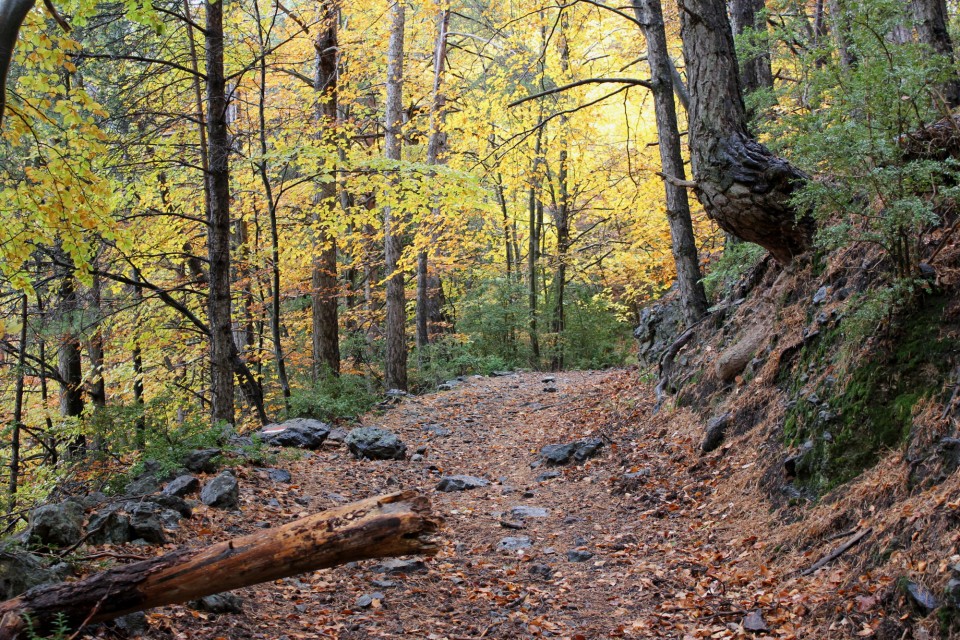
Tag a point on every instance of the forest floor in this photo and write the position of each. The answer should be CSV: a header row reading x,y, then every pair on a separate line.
x,y
672,557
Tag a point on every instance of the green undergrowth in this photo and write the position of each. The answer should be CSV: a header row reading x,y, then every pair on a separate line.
x,y
848,419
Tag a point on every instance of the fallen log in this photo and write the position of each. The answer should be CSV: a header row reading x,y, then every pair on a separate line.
x,y
393,525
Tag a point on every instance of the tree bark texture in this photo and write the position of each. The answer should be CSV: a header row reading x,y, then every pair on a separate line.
x,y
693,298
756,71
427,286
391,525
323,278
741,184
931,19
12,15
69,356
219,308
396,339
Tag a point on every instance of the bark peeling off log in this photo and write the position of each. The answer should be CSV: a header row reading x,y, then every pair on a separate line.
x,y
392,525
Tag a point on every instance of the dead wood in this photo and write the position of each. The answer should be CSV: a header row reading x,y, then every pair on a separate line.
x,y
393,525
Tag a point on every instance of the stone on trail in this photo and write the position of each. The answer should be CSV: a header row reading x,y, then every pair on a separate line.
x,y
182,486
754,622
304,433
366,600
579,451
523,511
921,597
20,571
514,543
223,492
460,483
109,526
716,430
577,555
278,475
376,444
396,565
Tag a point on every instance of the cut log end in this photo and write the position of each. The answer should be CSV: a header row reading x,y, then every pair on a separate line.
x,y
392,525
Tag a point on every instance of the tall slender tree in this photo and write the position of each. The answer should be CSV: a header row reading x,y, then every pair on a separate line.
x,y
396,360
747,19
693,299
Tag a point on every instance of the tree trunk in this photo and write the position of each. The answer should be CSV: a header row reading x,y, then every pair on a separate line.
x,y
12,15
69,357
693,299
140,426
435,147
263,170
323,279
742,186
533,252
745,17
931,21
219,307
840,26
392,525
12,483
396,361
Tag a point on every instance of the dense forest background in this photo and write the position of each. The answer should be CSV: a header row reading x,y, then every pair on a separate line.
x,y
221,214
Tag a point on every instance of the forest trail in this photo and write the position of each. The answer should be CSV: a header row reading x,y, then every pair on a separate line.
x,y
648,563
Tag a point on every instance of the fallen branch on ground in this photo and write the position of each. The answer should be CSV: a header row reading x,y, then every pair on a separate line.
x,y
836,553
393,525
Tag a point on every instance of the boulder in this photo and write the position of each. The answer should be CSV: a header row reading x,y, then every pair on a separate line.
x,y
20,571
182,486
920,597
142,485
523,511
109,526
586,448
56,525
279,475
223,492
460,483
556,454
145,523
201,460
173,503
304,433
578,555
376,444
396,565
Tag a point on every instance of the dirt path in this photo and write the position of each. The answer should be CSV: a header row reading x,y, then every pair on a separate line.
x,y
642,561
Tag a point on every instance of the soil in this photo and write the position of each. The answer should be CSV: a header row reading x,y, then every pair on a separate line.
x,y
673,544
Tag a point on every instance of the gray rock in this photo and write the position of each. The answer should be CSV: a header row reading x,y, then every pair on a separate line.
x,y
109,526
219,603
716,430
417,457
376,444
513,524
754,622
173,502
799,465
514,543
550,389
548,475
578,555
460,483
201,460
586,448
182,486
304,433
20,571
820,296
223,492
279,475
56,525
145,523
444,386
543,571
523,511
579,451
366,600
170,519
660,324
92,500
133,625
396,565
921,597
142,485
436,430
337,435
